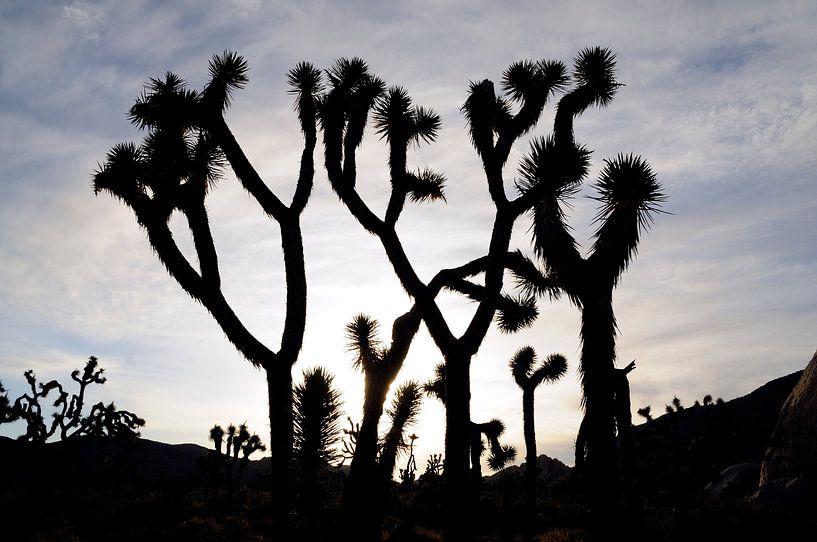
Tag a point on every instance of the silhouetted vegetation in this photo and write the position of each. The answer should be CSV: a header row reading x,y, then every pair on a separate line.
x,y
316,434
629,194
528,376
68,421
644,482
179,163
363,492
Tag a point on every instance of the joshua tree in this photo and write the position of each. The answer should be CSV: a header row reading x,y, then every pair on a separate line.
x,y
629,195
179,163
316,431
380,365
102,420
217,436
552,168
240,439
220,465
528,375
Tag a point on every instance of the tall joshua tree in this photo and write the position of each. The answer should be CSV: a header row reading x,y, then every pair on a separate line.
x,y
629,194
528,375
380,365
186,149
353,94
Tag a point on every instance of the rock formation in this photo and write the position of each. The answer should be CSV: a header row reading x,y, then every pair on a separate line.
x,y
792,450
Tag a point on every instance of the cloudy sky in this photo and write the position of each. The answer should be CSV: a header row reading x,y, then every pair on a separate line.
x,y
720,98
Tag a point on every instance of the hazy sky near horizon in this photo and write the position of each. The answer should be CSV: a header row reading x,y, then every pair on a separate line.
x,y
720,98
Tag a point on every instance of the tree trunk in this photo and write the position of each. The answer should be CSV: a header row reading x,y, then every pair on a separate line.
x,y
358,518
597,364
458,526
279,387
530,463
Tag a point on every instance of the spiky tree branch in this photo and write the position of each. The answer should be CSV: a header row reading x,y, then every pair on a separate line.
x,y
180,161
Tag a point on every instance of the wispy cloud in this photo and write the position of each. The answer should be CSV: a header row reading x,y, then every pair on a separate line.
x,y
720,99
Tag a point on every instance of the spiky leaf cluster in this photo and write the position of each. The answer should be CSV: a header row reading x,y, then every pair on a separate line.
x,y
528,373
316,428
595,69
516,312
397,119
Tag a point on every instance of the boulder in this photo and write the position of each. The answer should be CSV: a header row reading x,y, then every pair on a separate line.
x,y
735,481
792,450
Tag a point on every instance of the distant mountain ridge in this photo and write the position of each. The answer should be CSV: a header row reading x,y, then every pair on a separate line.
x,y
748,421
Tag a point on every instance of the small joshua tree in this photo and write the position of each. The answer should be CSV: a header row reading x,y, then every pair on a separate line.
x,y
528,375
217,436
68,421
380,365
316,432
220,463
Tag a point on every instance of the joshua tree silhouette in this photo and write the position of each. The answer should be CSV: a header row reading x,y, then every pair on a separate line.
x,y
316,431
629,194
179,163
353,93
102,420
380,365
217,436
528,375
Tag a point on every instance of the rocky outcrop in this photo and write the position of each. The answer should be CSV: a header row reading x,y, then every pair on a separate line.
x,y
792,450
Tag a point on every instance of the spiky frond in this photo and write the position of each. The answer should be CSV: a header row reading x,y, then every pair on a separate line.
x,y
361,338
628,183
532,281
392,115
552,369
481,112
425,125
355,103
207,162
316,428
515,313
595,69
501,457
305,78
425,185
555,75
436,387
522,80
306,83
630,194
552,171
228,72
521,364
347,72
167,102
405,406
122,172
